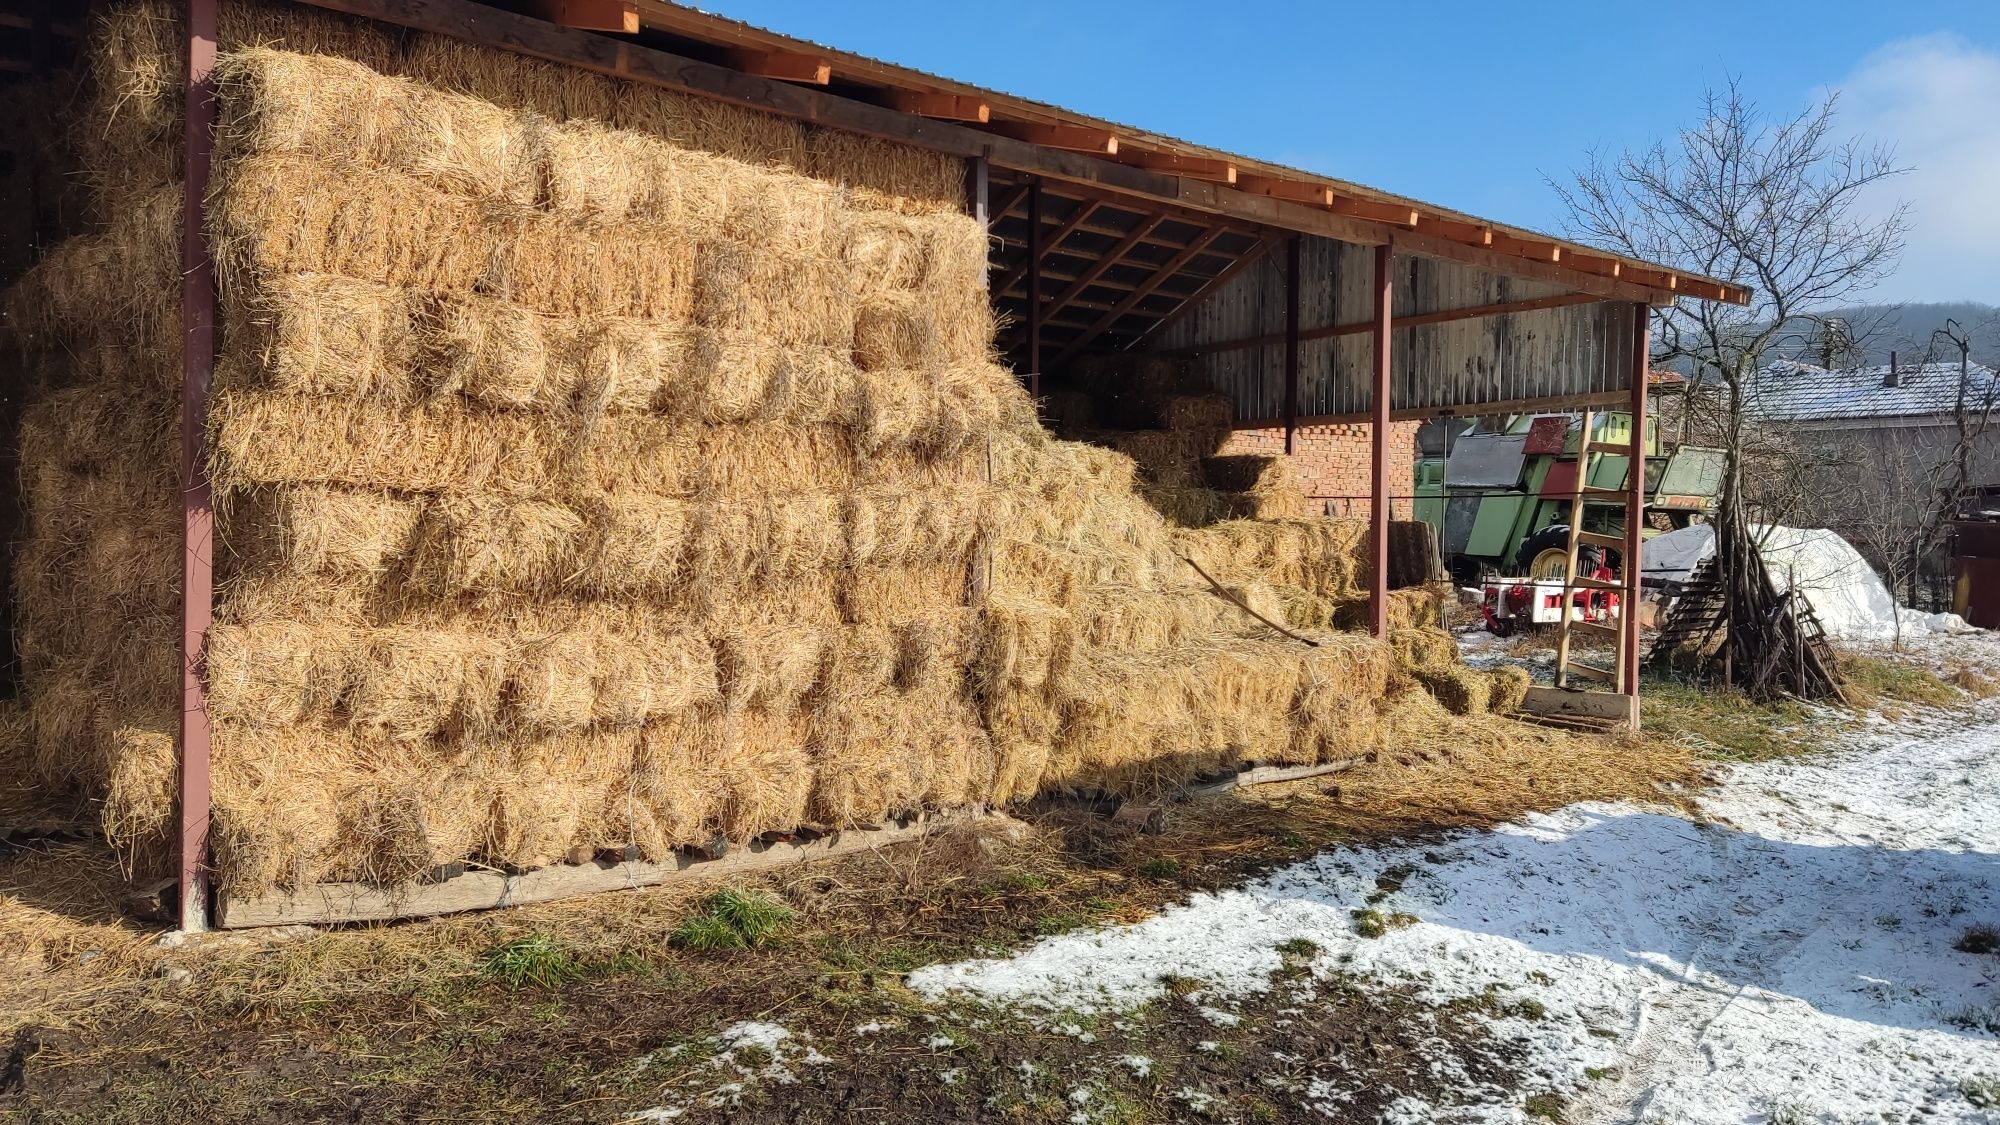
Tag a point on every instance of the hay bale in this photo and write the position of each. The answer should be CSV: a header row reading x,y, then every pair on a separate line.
x,y
1461,690
1202,414
1509,689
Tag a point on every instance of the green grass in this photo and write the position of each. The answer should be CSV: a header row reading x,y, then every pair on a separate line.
x,y
1728,723
1545,1107
1873,683
1160,868
536,960
733,919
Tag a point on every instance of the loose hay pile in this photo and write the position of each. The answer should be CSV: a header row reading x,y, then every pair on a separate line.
x,y
596,466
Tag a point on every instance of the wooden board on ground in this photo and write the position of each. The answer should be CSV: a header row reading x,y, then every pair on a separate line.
x,y
322,903
1602,705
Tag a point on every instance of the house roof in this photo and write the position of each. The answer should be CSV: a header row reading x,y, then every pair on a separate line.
x,y
1791,391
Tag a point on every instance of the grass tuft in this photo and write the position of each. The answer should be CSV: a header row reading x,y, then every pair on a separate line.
x,y
733,919
1978,939
533,959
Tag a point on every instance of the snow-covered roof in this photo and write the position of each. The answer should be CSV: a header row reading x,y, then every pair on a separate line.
x,y
1790,391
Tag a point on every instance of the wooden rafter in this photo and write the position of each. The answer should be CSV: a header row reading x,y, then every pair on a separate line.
x,y
1472,234
1527,248
1394,214
1317,195
1069,138
785,66
1049,242
1193,167
1145,289
1249,258
621,16
1106,261
944,107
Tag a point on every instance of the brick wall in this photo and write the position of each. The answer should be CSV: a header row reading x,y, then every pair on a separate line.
x,y
1332,462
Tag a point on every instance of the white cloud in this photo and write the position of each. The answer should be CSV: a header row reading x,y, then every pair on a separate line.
x,y
1934,98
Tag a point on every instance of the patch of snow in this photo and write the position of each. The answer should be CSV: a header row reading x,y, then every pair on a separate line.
x,y
1790,954
951,1076
1139,1065
1844,591
939,1042
871,1027
751,1033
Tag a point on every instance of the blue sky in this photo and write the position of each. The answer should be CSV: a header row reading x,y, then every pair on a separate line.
x,y
1450,103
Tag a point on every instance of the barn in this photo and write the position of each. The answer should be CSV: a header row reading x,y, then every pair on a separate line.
x,y
472,453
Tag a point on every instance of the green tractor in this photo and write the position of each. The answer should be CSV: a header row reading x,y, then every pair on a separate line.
x,y
1500,496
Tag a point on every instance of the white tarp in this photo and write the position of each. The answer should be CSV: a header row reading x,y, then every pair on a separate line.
x,y
1844,591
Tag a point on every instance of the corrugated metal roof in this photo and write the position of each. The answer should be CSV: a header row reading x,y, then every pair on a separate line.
x,y
1789,391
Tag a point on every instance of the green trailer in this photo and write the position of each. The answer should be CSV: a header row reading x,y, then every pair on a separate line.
x,y
1500,497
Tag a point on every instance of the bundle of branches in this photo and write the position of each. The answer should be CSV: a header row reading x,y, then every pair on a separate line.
x,y
1770,643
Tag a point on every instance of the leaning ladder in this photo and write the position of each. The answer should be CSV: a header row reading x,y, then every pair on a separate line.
x,y
1574,582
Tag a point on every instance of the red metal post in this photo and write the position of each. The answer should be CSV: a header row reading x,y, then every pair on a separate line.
x,y
197,503
1378,499
1291,340
1635,504
1035,289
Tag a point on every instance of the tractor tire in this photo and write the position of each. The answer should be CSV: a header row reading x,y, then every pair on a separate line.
x,y
1555,537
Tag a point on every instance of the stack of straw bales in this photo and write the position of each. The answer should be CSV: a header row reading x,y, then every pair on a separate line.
x,y
595,466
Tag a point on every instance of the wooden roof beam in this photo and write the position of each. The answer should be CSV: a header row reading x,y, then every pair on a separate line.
x,y
1317,195
1194,167
1591,263
1527,248
1050,241
785,66
621,16
1394,214
943,107
1250,258
1151,285
1110,258
1472,234
1069,138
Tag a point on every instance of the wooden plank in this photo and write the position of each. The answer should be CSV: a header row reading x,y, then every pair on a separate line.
x,y
944,107
1394,214
1292,255
785,66
1271,775
1380,404
1472,234
485,890
1198,167
1527,248
620,16
1491,259
1592,264
1316,195
1069,138
1110,258
1580,704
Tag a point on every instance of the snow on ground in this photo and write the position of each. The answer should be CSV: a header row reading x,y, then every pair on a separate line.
x,y
1789,960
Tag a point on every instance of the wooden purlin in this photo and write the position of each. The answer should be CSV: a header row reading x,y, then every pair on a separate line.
x,y
1169,270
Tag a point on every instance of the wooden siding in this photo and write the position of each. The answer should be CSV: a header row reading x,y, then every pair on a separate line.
x,y
1554,353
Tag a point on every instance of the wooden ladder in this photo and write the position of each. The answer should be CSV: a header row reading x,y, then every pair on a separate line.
x,y
1574,582
1696,615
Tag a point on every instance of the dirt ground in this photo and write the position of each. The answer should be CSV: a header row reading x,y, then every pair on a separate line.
x,y
608,1009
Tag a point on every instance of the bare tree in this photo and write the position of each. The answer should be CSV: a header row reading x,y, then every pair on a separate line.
x,y
1773,204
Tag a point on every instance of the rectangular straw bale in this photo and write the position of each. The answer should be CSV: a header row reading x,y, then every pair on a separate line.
x,y
876,757
1021,645
340,110
317,529
767,664
884,595
323,334
669,797
695,122
296,439
463,544
510,80
885,176
766,538
136,56
610,175
1203,414
1130,619
137,816
119,284
612,669
764,774
888,525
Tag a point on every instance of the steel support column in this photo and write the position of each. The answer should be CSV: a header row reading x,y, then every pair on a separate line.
x,y
1378,481
197,502
1035,289
1291,340
1635,507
